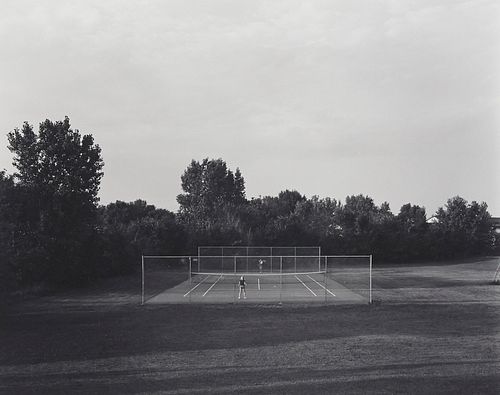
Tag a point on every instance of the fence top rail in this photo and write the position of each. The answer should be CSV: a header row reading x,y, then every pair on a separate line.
x,y
258,256
259,247
347,256
232,256
254,256
170,256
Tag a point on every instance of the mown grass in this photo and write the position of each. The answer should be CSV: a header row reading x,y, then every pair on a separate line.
x,y
102,341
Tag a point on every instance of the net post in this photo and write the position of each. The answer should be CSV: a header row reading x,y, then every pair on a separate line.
x,y
371,264
142,279
326,278
234,258
325,281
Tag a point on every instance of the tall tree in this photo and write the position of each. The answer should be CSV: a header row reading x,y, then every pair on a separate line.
x,y
9,214
357,214
61,166
412,219
464,228
59,171
212,191
319,216
410,239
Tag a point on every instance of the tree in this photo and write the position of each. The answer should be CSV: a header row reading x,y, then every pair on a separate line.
x,y
20,247
59,173
212,196
135,228
61,166
364,227
357,214
287,202
318,218
270,220
464,229
239,188
410,240
9,212
412,219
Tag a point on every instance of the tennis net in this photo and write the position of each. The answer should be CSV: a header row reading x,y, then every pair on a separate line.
x,y
257,278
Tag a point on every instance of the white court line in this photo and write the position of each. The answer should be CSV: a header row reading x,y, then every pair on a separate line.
x,y
213,285
322,286
310,290
196,286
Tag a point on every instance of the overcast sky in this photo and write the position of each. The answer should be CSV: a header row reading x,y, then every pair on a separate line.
x,y
398,100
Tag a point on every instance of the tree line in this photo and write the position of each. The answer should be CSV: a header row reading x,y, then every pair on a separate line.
x,y
53,230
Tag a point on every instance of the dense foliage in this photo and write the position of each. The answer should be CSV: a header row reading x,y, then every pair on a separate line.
x,y
53,231
52,205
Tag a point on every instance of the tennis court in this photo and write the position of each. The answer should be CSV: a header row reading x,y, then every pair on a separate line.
x,y
307,287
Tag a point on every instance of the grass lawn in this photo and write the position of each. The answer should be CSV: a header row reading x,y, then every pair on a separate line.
x,y
436,330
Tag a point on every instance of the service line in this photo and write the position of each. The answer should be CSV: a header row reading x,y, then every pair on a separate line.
x,y
196,286
213,285
322,286
310,290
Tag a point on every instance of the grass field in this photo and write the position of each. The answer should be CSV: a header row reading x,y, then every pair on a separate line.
x,y
436,329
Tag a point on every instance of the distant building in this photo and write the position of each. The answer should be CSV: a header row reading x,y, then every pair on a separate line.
x,y
432,220
495,224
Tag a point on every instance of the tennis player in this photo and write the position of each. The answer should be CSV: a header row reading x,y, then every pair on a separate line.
x,y
243,285
261,264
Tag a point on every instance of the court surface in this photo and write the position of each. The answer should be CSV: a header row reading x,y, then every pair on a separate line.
x,y
300,288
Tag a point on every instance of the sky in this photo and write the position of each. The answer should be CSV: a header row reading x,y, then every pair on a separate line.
x,y
395,99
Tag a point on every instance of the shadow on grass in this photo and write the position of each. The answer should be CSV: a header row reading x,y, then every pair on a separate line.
x,y
127,331
296,380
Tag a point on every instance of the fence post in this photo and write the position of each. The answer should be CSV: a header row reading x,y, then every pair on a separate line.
x,y
326,279
142,279
281,277
371,264
295,259
190,271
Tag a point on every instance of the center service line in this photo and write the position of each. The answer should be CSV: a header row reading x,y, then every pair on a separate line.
x,y
213,285
310,290
322,286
